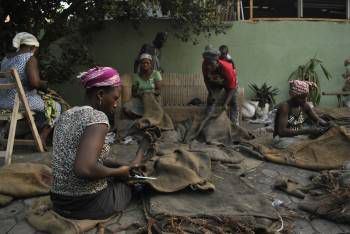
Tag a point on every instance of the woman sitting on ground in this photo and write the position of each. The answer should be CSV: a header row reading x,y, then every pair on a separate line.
x,y
86,185
26,64
147,80
292,116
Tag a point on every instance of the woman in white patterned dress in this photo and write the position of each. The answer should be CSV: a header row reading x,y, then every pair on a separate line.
x,y
25,62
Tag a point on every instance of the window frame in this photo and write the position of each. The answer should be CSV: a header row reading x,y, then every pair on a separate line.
x,y
298,18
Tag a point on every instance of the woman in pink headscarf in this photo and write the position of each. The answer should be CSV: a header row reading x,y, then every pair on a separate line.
x,y
291,116
80,188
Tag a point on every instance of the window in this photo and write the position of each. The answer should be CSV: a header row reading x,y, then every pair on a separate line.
x,y
331,9
307,9
272,8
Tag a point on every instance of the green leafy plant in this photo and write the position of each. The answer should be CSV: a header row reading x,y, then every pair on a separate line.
x,y
52,20
308,72
264,94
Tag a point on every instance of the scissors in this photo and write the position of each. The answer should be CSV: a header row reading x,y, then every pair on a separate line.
x,y
144,177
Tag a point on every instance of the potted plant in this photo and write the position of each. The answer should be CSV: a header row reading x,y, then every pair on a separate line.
x,y
265,96
308,72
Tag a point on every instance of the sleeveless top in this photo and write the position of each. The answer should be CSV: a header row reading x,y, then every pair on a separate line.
x,y
66,139
296,119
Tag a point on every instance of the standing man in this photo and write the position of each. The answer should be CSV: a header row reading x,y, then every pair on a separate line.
x,y
219,74
153,49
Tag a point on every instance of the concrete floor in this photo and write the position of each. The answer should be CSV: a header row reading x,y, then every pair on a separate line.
x,y
12,217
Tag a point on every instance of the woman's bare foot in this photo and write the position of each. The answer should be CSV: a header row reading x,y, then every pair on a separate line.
x,y
44,134
43,141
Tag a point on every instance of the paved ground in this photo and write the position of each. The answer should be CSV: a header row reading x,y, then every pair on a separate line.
x,y
12,217
265,176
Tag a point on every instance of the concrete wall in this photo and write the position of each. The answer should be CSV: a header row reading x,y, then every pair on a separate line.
x,y
262,51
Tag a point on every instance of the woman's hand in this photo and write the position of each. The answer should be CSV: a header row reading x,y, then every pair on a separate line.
x,y
137,169
135,91
156,92
323,123
316,132
123,172
139,93
43,85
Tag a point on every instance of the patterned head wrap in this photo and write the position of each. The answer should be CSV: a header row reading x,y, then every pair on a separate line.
x,y
24,38
99,77
299,87
146,56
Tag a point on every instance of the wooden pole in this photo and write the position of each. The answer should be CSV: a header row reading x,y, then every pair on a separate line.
x,y
251,9
242,12
300,9
238,10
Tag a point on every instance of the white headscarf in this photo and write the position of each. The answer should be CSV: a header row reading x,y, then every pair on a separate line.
x,y
146,56
24,38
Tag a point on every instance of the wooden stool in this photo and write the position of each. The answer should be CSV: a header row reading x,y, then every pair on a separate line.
x,y
17,114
